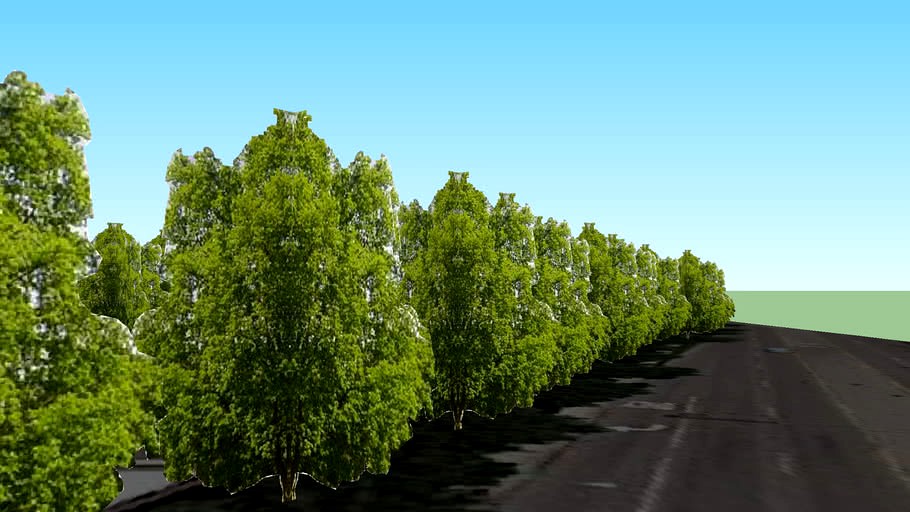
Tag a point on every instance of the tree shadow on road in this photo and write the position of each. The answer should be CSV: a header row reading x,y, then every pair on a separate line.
x,y
732,332
439,469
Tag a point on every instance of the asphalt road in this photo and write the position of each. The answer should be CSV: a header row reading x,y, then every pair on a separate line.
x,y
823,426
818,422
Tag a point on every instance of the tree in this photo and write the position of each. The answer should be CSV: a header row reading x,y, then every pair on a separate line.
x,y
45,180
721,305
728,308
694,288
563,282
69,411
116,290
635,329
583,311
120,290
604,293
647,277
530,354
154,274
614,288
414,226
283,336
679,308
464,292
453,295
703,285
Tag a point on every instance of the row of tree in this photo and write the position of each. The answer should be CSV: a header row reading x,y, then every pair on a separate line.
x,y
292,316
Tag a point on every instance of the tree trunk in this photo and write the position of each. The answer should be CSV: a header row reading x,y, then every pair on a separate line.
x,y
288,486
457,415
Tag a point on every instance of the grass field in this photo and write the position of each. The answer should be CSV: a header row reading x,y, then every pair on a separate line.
x,y
873,314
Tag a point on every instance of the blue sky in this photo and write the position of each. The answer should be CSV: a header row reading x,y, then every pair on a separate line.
x,y
772,139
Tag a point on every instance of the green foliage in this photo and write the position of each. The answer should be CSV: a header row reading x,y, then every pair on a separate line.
x,y
609,283
583,311
68,409
721,305
636,326
42,167
647,282
703,285
529,348
468,269
201,192
678,307
398,360
283,342
563,282
414,226
116,289
602,269
154,275
455,279
119,289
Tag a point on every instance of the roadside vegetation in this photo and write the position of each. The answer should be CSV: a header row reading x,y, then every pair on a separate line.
x,y
292,316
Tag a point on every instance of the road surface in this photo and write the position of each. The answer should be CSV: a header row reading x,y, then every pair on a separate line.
x,y
818,422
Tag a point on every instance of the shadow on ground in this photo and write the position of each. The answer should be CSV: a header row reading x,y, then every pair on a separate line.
x,y
431,471
733,331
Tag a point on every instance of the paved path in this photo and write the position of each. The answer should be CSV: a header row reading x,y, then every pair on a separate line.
x,y
823,425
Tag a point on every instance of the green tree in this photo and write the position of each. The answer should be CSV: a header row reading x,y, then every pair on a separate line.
x,y
604,293
583,311
453,294
116,290
721,305
647,277
285,344
563,284
728,307
414,228
634,329
530,354
464,291
614,288
44,176
69,410
126,285
703,285
154,275
694,287
679,308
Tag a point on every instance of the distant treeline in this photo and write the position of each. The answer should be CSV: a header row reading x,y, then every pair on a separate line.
x,y
291,316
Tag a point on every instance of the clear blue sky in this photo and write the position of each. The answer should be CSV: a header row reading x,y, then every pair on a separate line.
x,y
773,140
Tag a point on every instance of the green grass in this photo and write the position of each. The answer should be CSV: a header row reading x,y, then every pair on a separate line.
x,y
873,314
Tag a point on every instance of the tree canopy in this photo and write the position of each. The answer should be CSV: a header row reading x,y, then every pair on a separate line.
x,y
283,334
563,284
469,270
69,409
116,288
702,283
678,307
453,293
154,277
656,306
529,348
